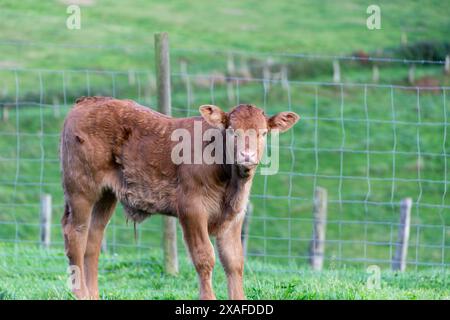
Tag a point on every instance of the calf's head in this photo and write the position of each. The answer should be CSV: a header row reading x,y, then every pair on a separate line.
x,y
246,129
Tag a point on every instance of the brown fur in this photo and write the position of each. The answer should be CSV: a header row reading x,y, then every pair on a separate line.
x,y
118,150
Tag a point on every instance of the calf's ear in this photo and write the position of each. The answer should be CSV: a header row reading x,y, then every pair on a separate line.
x,y
214,115
283,121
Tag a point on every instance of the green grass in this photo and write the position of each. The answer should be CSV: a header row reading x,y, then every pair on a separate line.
x,y
40,274
324,27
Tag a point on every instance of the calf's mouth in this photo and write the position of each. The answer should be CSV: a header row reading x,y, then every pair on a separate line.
x,y
246,170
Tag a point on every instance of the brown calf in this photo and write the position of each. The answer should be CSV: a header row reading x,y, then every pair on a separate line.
x,y
118,150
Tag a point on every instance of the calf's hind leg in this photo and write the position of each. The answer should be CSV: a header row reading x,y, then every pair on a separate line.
x,y
75,223
101,214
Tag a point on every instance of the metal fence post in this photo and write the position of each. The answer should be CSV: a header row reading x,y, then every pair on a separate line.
x,y
46,220
401,252
317,247
162,64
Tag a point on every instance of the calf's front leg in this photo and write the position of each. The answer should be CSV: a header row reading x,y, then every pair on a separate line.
x,y
231,255
195,231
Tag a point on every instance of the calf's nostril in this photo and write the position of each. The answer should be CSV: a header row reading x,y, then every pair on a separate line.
x,y
248,156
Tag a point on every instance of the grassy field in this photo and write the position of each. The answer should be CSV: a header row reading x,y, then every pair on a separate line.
x,y
322,27
125,277
370,146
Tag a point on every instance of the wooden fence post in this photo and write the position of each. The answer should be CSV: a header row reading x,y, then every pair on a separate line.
x,y
404,39
336,71
245,227
244,69
162,63
284,77
411,73
401,252
46,220
184,70
267,72
375,73
317,247
131,77
5,113
447,65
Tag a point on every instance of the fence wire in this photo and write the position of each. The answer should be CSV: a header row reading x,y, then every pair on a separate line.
x,y
370,145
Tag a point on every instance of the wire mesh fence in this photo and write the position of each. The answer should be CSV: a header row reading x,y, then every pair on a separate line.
x,y
370,145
